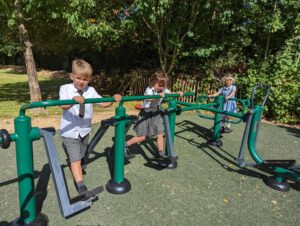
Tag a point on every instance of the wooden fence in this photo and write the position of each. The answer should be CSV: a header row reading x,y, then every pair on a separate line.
x,y
182,83
137,81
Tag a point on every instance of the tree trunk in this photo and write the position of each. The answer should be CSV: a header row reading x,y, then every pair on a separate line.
x,y
34,87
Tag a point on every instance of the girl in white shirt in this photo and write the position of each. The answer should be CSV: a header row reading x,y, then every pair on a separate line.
x,y
150,122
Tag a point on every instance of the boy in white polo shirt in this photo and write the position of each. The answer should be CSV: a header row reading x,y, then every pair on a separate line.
x,y
77,119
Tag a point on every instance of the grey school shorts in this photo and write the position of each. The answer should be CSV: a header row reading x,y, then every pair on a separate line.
x,y
75,148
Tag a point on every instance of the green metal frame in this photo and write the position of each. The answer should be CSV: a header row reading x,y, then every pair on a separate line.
x,y
280,172
217,108
25,134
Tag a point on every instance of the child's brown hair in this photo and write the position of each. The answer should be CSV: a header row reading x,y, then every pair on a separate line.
x,y
159,77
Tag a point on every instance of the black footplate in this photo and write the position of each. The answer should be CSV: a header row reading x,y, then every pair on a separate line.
x,y
296,169
88,195
279,163
165,158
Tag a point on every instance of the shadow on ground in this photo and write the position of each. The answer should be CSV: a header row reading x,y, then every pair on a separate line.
x,y
294,131
204,133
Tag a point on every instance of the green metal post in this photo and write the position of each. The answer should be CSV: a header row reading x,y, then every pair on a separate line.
x,y
172,117
25,135
119,145
118,184
217,121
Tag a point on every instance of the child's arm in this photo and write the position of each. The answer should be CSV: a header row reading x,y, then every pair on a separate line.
x,y
78,99
179,92
231,94
215,94
167,91
117,97
63,95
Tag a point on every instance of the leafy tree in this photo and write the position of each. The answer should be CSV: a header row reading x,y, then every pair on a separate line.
x,y
170,22
9,44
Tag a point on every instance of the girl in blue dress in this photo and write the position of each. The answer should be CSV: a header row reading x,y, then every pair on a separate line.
x,y
227,91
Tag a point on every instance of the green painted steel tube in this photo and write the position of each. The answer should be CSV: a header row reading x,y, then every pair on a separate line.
x,y
217,121
221,111
207,107
185,103
172,117
49,103
252,134
287,173
120,112
24,137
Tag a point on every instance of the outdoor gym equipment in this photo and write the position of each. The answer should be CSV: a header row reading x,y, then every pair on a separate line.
x,y
168,162
24,136
281,169
217,108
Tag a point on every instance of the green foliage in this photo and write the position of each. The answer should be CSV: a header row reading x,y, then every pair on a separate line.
x,y
282,73
170,23
255,41
9,41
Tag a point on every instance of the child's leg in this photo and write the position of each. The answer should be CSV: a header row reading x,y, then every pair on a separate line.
x,y
73,147
224,117
76,170
135,140
83,149
160,146
228,123
160,142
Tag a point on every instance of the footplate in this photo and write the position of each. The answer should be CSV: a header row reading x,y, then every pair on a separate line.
x,y
279,163
167,158
89,195
296,170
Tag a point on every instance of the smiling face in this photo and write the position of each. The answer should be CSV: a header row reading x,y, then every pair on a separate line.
x,y
80,81
228,82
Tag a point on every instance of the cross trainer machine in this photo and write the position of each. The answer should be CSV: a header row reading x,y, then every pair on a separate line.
x,y
281,169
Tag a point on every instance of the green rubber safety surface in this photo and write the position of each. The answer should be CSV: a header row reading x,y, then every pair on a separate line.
x,y
207,187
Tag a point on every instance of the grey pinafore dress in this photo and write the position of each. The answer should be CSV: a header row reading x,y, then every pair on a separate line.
x,y
150,122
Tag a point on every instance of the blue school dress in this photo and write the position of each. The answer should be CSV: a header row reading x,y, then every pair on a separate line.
x,y
228,105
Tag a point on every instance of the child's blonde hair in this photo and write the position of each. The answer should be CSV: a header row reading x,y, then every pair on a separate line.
x,y
81,67
159,77
228,77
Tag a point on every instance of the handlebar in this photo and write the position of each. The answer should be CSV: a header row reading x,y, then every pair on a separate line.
x,y
244,104
267,93
48,103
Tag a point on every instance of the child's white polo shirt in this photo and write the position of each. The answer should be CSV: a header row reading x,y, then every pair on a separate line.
x,y
71,124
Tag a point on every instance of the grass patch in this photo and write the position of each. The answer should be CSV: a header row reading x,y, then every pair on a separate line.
x,y
14,92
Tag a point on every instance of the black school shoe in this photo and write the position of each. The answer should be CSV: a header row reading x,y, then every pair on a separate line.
x,y
128,153
227,130
160,155
82,190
